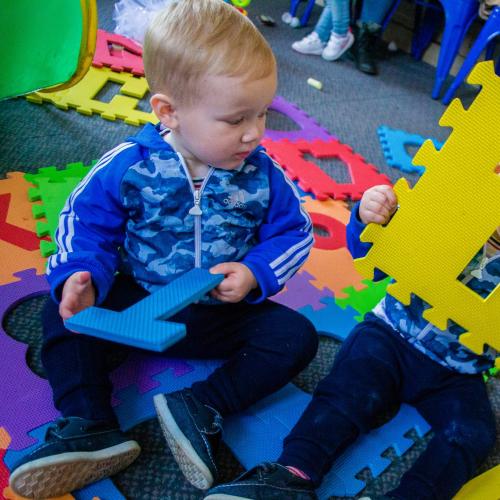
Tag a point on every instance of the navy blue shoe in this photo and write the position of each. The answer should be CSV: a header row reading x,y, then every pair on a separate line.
x,y
266,481
193,431
76,452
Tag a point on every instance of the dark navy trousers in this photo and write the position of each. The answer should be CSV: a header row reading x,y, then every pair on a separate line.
x,y
264,346
374,370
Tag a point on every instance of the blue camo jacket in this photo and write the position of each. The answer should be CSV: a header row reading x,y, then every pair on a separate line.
x,y
138,212
441,346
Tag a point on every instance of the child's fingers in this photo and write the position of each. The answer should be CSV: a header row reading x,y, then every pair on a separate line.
x,y
389,195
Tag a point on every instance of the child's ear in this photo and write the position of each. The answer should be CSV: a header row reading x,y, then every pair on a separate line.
x,y
164,109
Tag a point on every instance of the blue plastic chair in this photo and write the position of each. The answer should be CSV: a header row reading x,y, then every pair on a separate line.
x,y
486,39
459,15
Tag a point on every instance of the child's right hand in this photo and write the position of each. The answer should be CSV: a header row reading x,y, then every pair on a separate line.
x,y
378,204
78,293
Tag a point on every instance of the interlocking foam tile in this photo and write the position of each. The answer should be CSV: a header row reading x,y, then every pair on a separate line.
x,y
332,216
53,196
17,229
102,490
35,406
312,178
4,471
367,452
483,487
394,143
332,320
53,174
82,97
12,234
136,407
366,299
118,52
257,434
309,129
299,293
139,370
144,324
446,218
333,269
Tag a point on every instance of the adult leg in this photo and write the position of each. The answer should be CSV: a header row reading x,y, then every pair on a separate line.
x,y
341,38
374,11
460,414
368,31
363,382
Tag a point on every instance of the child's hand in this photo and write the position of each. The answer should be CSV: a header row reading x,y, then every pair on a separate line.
x,y
378,204
78,294
237,283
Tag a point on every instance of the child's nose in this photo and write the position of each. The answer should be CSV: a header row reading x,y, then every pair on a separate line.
x,y
252,133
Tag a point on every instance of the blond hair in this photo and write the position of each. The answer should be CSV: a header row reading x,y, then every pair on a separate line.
x,y
191,39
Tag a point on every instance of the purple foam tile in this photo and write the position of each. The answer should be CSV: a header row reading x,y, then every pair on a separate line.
x,y
27,397
309,129
139,370
300,293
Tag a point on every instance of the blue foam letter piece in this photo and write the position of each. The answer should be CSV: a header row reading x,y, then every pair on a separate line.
x,y
143,324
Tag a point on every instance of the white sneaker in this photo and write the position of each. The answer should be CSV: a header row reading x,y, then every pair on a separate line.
x,y
311,44
336,46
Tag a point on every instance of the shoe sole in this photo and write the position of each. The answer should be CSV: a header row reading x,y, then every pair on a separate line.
x,y
315,53
190,463
344,50
60,474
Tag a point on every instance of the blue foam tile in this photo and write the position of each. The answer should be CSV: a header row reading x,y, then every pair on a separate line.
x,y
332,320
143,324
394,144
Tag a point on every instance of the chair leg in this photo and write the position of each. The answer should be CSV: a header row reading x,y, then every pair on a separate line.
x,y
459,14
486,38
307,13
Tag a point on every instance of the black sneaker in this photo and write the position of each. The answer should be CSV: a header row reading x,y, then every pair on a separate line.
x,y
76,452
266,481
193,431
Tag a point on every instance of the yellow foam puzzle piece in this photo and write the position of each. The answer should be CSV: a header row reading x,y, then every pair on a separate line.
x,y
446,218
483,487
82,96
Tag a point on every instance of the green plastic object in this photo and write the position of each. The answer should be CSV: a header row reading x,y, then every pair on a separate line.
x,y
42,43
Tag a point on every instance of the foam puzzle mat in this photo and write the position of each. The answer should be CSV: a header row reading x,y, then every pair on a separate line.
x,y
328,289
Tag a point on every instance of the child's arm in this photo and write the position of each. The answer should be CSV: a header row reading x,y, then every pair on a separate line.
x,y
239,281
377,205
78,293
284,238
90,231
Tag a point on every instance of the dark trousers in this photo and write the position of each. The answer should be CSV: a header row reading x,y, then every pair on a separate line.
x,y
374,370
265,345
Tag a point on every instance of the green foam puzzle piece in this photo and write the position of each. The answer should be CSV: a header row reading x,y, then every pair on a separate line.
x,y
53,186
366,299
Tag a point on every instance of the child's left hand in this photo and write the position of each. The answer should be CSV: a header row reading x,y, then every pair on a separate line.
x,y
237,283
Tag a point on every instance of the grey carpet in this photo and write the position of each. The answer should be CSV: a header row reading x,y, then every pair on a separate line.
x,y
351,106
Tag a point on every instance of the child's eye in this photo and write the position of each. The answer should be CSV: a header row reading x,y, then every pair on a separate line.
x,y
235,121
264,114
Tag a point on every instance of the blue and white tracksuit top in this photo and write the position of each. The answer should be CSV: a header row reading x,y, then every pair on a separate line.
x,y
441,346
138,212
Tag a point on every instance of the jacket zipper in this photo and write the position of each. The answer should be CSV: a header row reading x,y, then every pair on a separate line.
x,y
196,210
